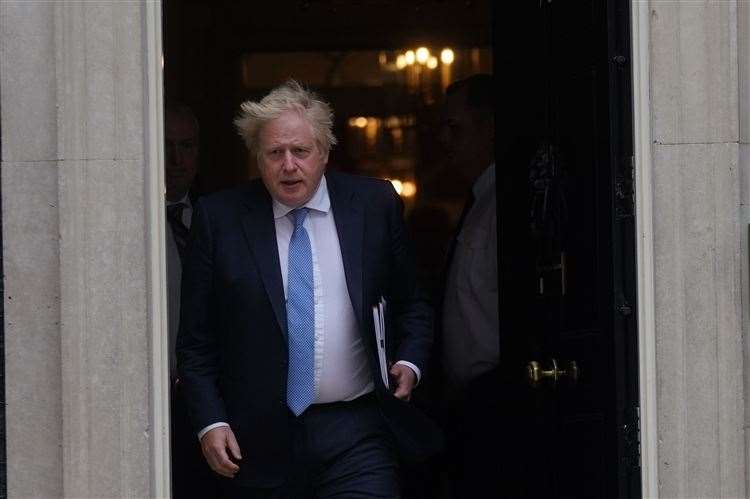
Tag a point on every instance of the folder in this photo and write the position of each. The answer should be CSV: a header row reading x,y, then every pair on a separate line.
x,y
378,318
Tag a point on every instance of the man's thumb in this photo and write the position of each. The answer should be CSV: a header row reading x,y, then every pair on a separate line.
x,y
234,447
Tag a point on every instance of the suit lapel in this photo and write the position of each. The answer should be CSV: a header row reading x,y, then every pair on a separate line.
x,y
260,232
349,216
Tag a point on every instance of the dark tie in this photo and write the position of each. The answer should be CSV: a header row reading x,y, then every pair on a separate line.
x,y
179,230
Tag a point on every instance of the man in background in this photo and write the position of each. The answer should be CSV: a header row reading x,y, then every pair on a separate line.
x,y
191,477
469,336
182,139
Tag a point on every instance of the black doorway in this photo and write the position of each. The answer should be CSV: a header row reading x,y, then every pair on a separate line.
x,y
568,328
563,116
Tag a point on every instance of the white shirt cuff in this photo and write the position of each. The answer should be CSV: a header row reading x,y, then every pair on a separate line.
x,y
210,427
412,367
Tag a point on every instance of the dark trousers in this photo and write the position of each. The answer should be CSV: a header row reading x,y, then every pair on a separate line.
x,y
191,476
342,450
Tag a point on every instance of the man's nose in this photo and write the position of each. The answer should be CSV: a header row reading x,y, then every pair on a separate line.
x,y
169,153
178,155
288,164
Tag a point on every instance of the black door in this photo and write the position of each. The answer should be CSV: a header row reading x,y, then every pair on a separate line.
x,y
568,332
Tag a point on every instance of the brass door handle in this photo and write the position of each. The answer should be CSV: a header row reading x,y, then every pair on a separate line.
x,y
537,375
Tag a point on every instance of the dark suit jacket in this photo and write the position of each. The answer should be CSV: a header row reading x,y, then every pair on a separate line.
x,y
232,343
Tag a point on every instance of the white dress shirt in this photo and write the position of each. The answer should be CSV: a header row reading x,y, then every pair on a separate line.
x,y
341,367
471,321
342,370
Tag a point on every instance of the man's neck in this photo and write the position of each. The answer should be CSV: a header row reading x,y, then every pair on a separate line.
x,y
176,198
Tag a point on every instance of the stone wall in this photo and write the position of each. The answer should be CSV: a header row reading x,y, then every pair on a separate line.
x,y
77,341
743,31
697,233
75,239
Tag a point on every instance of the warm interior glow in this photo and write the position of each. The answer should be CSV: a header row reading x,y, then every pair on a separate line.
x,y
405,188
408,189
410,57
397,134
392,122
447,56
401,61
422,55
371,132
432,62
360,122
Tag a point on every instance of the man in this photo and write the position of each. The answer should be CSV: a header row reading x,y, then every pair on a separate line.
x,y
191,477
469,341
470,303
277,348
181,134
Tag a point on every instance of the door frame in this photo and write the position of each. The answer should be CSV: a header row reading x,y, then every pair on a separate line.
x,y
640,43
156,264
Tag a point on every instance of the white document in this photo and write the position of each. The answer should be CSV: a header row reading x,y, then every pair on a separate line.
x,y
378,317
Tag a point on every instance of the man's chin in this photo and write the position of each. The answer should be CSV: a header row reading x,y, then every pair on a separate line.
x,y
174,195
293,202
294,197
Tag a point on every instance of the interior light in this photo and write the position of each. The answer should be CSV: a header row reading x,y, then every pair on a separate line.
x,y
401,61
432,62
447,56
397,185
392,122
408,189
422,55
360,122
410,57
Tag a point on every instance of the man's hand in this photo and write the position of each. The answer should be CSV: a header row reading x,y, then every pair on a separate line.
x,y
404,380
214,445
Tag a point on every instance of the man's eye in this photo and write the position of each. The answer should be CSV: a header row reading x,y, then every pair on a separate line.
x,y
300,151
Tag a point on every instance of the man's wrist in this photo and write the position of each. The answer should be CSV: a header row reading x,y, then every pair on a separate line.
x,y
413,367
211,427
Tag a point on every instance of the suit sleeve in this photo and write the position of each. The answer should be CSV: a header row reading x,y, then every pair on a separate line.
x,y
411,314
197,343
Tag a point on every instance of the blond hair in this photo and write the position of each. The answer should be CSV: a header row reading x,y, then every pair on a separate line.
x,y
290,96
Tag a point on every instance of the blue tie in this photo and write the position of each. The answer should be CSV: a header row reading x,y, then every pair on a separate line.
x,y
300,316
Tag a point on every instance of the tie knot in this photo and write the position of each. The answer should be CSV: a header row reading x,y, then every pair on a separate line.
x,y
175,210
298,217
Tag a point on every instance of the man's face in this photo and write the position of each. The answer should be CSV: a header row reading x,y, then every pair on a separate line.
x,y
466,139
290,161
182,154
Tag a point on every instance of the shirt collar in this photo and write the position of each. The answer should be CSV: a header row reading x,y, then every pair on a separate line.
x,y
485,182
318,202
185,200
